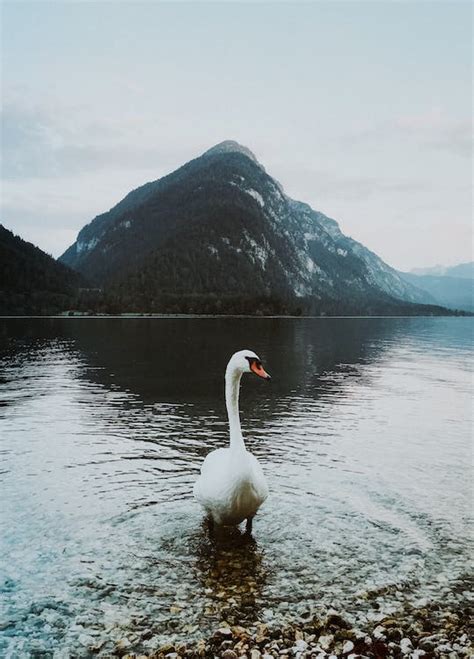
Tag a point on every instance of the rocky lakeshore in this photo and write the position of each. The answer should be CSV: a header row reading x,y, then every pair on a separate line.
x,y
397,621
425,631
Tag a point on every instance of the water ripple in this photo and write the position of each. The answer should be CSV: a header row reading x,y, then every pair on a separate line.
x,y
364,435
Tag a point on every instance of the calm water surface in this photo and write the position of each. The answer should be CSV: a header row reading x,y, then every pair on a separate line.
x,y
364,434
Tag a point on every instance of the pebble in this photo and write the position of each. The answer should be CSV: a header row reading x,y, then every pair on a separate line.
x,y
444,647
338,621
300,645
406,646
379,633
325,641
85,640
347,647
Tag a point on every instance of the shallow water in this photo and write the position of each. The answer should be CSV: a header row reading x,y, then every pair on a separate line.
x,y
364,434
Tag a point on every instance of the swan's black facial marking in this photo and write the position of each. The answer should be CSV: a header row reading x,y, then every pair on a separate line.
x,y
254,360
256,367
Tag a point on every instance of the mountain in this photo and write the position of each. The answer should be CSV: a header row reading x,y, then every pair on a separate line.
x,y
436,270
452,287
220,234
32,282
462,270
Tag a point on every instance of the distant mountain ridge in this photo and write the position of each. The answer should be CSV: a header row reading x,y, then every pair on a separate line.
x,y
452,287
462,270
219,230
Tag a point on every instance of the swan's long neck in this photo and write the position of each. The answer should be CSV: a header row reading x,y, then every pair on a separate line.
x,y
232,386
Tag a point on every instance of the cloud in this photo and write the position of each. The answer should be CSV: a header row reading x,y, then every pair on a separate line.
x,y
51,211
432,129
315,184
59,141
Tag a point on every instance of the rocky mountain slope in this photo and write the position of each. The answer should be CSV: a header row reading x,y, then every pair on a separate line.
x,y
31,281
220,229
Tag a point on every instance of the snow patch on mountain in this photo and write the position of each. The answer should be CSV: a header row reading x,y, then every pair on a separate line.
x,y
257,252
256,195
86,245
311,265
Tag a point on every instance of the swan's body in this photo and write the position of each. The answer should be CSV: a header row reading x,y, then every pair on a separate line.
x,y
232,486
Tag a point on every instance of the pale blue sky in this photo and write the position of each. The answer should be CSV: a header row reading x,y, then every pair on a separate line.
x,y
361,109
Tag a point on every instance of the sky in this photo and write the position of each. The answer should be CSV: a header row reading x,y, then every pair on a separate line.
x,y
361,109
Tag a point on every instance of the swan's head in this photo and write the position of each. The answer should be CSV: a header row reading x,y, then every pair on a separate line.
x,y
246,361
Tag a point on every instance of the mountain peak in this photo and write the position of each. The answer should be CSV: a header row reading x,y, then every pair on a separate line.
x,y
230,146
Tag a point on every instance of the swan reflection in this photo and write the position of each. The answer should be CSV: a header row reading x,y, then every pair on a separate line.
x,y
230,567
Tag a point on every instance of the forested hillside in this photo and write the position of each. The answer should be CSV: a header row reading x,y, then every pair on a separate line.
x,y
31,281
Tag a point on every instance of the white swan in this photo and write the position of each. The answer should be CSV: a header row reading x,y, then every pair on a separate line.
x,y
232,486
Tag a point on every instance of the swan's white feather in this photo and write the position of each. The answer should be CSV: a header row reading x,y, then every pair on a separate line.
x,y
231,486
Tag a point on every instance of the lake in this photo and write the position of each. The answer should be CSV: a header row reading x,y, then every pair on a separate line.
x,y
364,434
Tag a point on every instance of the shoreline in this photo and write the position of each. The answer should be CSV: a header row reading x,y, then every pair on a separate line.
x,y
389,622
146,316
427,632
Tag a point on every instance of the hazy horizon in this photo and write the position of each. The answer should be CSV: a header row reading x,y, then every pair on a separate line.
x,y
362,110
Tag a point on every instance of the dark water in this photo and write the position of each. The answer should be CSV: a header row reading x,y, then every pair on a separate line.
x,y
364,434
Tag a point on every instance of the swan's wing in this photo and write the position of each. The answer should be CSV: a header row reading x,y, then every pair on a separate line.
x,y
259,479
213,468
214,461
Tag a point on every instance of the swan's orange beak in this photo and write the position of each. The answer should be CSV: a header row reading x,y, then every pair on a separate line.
x,y
259,370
